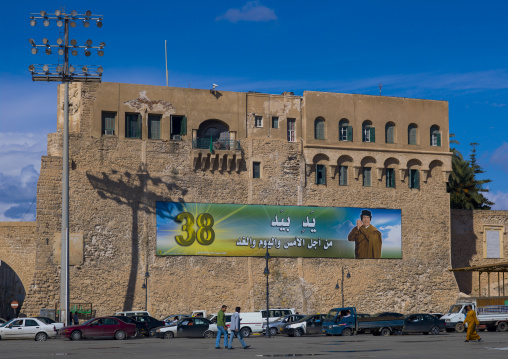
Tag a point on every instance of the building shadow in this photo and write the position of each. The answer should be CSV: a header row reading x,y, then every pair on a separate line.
x,y
139,191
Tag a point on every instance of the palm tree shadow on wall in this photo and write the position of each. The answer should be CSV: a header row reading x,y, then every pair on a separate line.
x,y
11,289
136,191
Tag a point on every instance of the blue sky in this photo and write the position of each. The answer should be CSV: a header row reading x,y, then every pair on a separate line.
x,y
442,50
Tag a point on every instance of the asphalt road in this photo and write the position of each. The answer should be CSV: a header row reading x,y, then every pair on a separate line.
x,y
445,345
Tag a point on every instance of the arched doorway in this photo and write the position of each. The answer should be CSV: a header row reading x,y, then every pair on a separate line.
x,y
11,289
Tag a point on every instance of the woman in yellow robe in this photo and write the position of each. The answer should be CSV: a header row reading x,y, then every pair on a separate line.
x,y
472,322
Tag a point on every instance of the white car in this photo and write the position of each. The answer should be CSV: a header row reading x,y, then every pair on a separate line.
x,y
188,327
28,328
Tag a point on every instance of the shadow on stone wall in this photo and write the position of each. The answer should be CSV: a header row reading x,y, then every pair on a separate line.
x,y
134,190
463,247
11,289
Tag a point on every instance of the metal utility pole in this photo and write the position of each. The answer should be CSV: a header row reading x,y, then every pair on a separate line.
x,y
342,284
267,273
66,73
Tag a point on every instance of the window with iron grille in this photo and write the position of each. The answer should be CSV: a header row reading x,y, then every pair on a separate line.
x,y
390,178
256,169
291,130
108,123
320,174
366,176
275,122
258,121
342,175
154,126
414,179
133,125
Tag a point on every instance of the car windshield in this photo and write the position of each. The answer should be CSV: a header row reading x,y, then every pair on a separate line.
x,y
46,320
455,308
88,321
332,314
9,322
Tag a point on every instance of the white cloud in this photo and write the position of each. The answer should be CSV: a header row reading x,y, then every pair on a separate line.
x,y
500,157
392,235
252,11
499,198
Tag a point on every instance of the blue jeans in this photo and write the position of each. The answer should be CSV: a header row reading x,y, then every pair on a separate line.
x,y
238,335
221,331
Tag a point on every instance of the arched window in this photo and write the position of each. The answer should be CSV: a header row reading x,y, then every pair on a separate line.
x,y
435,136
368,134
412,134
390,132
345,131
319,128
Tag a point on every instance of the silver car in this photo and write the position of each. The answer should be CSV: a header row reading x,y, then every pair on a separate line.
x,y
27,328
276,325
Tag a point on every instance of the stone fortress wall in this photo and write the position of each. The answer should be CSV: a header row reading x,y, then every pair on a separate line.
x,y
116,181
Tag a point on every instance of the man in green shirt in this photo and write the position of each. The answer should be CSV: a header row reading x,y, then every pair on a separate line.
x,y
221,328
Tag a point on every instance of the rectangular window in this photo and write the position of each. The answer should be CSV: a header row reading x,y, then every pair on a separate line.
x,y
108,123
291,130
258,122
390,178
343,133
414,179
133,125
154,126
366,134
256,169
320,174
493,242
435,139
342,175
275,122
366,177
178,127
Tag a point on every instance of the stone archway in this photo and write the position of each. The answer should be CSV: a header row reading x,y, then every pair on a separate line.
x,y
11,289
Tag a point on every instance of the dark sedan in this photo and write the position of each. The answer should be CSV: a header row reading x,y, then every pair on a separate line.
x,y
423,323
141,327
104,327
151,323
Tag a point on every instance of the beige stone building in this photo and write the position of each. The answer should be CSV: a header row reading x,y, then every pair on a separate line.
x,y
134,145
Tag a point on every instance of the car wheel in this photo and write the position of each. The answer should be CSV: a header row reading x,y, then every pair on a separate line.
x,y
273,332
120,335
346,332
298,332
502,326
152,332
385,332
40,337
245,332
169,335
459,327
434,330
209,334
76,335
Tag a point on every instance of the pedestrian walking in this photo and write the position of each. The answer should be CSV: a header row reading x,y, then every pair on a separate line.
x,y
75,318
221,328
472,322
235,330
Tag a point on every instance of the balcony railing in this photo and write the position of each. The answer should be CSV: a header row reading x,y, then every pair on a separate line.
x,y
213,145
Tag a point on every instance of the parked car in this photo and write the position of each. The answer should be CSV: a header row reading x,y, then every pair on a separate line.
x,y
47,320
141,327
276,313
423,323
275,326
196,327
437,315
311,324
151,322
27,328
250,322
173,318
103,327
388,314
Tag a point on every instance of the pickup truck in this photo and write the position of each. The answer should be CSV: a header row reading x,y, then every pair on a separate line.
x,y
493,317
345,322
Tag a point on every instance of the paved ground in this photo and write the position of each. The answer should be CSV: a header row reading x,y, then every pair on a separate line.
x,y
445,345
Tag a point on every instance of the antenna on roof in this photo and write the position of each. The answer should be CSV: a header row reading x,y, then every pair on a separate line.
x,y
166,48
380,87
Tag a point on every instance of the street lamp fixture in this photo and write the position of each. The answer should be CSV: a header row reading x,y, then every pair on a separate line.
x,y
341,287
266,272
65,74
